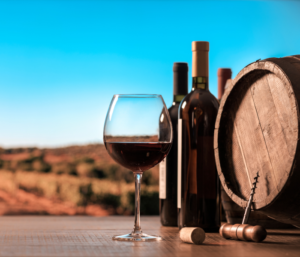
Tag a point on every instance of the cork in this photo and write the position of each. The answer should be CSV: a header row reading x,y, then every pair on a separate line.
x,y
192,235
200,58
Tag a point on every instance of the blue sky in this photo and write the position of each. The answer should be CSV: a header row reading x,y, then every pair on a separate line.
x,y
62,61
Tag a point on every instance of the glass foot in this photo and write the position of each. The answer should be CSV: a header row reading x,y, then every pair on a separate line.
x,y
136,237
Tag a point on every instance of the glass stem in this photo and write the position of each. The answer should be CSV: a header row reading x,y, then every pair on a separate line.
x,y
137,208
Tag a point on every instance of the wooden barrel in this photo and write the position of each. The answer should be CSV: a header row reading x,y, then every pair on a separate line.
x,y
257,130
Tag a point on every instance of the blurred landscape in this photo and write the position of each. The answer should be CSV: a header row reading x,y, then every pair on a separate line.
x,y
74,180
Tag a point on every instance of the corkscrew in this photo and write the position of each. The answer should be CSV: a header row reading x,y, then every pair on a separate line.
x,y
248,208
244,231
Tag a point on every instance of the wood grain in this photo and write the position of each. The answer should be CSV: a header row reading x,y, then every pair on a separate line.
x,y
91,236
253,145
274,139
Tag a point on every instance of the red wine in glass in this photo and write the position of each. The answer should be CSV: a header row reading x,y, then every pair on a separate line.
x,y
138,156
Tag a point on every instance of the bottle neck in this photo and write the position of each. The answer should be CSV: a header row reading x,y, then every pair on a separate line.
x,y
180,81
223,75
200,83
177,99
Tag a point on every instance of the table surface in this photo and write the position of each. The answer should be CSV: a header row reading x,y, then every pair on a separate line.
x,y
91,236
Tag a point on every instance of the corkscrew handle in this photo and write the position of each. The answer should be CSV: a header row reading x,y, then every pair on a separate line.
x,y
243,232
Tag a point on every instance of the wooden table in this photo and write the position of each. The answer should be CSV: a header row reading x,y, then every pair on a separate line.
x,y
91,236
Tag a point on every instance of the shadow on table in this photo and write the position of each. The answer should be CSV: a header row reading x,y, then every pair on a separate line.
x,y
287,233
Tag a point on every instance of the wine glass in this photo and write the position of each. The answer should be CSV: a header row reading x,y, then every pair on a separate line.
x,y
137,135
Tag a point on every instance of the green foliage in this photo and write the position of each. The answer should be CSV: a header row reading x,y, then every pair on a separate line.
x,y
148,178
110,200
41,166
149,202
86,193
86,160
99,173
6,165
25,165
85,169
113,172
29,164
64,168
128,176
34,190
117,173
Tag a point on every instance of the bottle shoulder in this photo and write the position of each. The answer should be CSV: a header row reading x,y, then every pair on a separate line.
x,y
199,99
173,111
174,107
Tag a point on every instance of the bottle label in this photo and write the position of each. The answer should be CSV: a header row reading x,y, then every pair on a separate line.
x,y
179,167
162,179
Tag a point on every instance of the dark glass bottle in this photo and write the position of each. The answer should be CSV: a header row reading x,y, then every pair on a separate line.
x,y
168,167
198,182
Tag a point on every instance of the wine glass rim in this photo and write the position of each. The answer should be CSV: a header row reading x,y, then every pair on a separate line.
x,y
138,95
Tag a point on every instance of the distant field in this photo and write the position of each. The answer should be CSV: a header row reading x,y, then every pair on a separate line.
x,y
70,180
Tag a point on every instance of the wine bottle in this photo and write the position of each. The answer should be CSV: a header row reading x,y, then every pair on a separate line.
x,y
223,75
198,182
168,167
